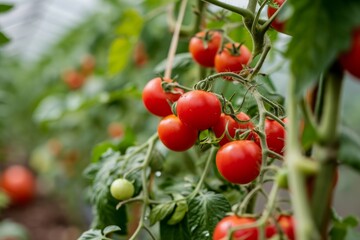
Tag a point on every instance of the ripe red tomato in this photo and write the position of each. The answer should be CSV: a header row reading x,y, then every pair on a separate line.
x,y
18,183
222,228
73,79
229,60
277,24
351,59
286,224
275,136
239,161
175,135
156,100
219,127
199,109
204,46
115,130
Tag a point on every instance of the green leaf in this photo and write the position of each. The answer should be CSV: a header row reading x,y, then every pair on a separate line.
x,y
180,210
205,211
5,7
3,39
111,229
342,227
181,61
128,32
349,153
100,149
320,29
161,211
12,230
178,231
91,235
309,136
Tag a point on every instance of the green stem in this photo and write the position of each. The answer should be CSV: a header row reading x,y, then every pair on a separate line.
x,y
327,150
203,176
305,228
151,144
242,11
201,6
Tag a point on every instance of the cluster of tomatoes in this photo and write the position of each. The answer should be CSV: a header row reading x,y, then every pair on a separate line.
x,y
75,78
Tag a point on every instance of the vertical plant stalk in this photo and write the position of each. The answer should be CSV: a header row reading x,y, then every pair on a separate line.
x,y
305,227
326,151
175,40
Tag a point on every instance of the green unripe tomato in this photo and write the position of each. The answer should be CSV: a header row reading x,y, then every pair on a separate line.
x,y
122,189
282,179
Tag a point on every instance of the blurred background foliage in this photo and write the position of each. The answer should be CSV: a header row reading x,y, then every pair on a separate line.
x,y
52,125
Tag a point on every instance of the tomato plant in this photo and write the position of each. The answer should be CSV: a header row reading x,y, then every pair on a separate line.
x,y
232,58
175,135
239,161
227,123
277,24
156,100
204,46
199,109
19,183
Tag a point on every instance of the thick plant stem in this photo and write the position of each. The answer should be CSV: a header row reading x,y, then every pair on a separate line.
x,y
326,151
305,227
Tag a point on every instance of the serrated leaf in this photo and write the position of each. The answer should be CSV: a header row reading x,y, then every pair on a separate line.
x,y
160,212
320,29
205,211
100,149
349,152
181,60
5,7
178,231
111,229
180,210
3,39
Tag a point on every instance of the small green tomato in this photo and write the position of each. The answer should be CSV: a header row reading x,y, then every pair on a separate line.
x,y
122,189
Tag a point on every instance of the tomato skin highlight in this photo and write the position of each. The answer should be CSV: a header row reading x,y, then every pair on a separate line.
x,y
155,99
277,24
205,54
350,60
175,135
225,61
226,223
18,182
199,109
239,162
220,127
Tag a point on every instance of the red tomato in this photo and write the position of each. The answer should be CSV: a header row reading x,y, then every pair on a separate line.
x,y
239,161
199,109
222,228
219,127
88,65
156,100
229,61
287,225
275,136
140,55
115,130
277,24
204,46
175,135
351,59
18,183
74,80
